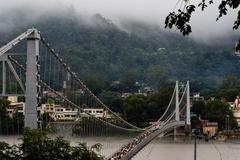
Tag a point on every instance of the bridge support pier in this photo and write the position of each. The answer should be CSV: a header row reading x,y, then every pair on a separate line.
x,y
188,114
31,117
175,134
188,104
177,116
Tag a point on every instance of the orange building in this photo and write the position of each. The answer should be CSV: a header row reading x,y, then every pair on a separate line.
x,y
210,128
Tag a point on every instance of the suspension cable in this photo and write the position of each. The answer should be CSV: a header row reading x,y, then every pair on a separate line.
x,y
56,55
73,104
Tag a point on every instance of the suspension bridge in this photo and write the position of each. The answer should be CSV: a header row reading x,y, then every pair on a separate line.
x,y
55,97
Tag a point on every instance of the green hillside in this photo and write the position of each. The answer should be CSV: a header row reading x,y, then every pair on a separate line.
x,y
146,53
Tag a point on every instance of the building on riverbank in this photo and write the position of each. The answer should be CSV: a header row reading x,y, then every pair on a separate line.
x,y
236,114
96,112
210,128
61,113
56,111
15,106
236,110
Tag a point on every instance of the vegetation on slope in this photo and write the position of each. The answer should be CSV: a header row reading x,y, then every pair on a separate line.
x,y
98,48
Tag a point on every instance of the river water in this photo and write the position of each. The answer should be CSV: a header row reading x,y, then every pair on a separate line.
x,y
162,149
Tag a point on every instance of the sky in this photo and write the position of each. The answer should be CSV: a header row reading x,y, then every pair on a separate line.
x,y
148,11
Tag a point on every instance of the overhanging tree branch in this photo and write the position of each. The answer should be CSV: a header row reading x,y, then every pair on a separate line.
x,y
181,18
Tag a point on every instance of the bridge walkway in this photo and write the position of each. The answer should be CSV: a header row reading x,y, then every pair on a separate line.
x,y
131,149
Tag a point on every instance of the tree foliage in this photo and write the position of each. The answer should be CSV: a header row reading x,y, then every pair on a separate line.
x,y
182,18
112,100
10,125
139,108
214,111
36,145
96,83
102,53
228,90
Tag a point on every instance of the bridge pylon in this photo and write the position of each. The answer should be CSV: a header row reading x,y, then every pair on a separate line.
x,y
32,78
188,108
177,117
188,119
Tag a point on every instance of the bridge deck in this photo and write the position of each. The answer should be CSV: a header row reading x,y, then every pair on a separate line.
x,y
132,152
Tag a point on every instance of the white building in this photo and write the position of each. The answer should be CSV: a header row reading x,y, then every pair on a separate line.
x,y
56,111
66,114
96,112
198,97
15,106
60,113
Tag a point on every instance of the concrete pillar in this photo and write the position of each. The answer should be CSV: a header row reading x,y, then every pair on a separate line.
x,y
177,118
188,105
3,77
31,117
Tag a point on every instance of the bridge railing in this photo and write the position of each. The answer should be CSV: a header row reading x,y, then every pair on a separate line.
x,y
164,129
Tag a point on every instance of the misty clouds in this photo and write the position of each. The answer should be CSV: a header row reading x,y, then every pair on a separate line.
x,y
148,11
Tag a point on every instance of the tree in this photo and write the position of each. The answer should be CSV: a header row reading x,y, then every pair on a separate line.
x,y
231,81
214,111
135,109
3,115
198,108
157,77
182,17
96,83
10,125
128,81
113,100
229,94
138,109
37,146
229,89
158,102
50,101
46,119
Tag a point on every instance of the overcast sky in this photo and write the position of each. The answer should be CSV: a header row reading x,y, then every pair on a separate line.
x,y
151,11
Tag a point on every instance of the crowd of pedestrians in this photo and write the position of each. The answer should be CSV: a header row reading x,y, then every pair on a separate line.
x,y
130,146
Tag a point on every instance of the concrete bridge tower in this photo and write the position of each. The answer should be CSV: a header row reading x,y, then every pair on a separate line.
x,y
32,77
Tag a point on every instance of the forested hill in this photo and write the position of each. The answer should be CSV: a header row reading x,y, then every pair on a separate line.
x,y
146,53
